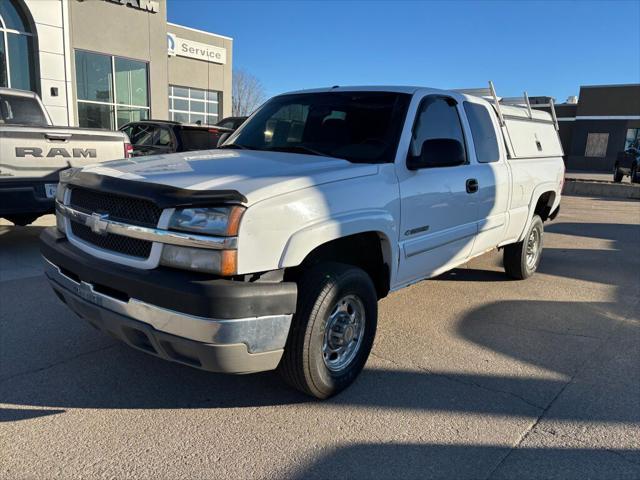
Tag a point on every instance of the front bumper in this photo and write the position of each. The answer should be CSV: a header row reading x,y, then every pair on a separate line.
x,y
221,341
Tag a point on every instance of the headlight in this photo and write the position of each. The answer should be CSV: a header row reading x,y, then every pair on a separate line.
x,y
221,262
223,221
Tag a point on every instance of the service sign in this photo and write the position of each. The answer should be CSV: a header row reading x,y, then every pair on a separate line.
x,y
200,51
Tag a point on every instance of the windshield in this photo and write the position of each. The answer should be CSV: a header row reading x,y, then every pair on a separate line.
x,y
17,110
356,126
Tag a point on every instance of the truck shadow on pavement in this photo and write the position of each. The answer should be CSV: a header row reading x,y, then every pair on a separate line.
x,y
563,339
111,375
434,461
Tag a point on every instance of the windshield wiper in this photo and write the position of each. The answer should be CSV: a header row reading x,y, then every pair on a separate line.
x,y
297,149
234,145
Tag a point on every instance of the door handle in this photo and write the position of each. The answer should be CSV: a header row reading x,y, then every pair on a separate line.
x,y
59,137
472,185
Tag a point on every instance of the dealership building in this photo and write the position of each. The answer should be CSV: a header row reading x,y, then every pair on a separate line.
x,y
603,121
103,63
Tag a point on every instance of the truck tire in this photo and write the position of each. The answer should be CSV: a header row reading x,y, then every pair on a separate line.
x,y
332,331
617,174
522,259
22,220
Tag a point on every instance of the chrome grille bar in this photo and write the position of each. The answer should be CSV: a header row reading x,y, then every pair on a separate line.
x,y
102,225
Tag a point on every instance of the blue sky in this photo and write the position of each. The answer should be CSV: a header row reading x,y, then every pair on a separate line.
x,y
545,47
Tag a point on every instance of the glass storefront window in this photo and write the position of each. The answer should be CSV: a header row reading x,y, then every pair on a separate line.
x,y
193,105
3,63
94,77
130,114
12,16
94,115
22,65
17,58
131,82
112,91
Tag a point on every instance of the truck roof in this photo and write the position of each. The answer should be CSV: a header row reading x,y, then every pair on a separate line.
x,y
514,110
362,88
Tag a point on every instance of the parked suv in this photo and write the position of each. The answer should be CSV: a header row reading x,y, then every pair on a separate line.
x,y
273,251
628,163
152,137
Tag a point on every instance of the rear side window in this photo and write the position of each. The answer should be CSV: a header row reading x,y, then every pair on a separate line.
x,y
198,139
142,134
483,133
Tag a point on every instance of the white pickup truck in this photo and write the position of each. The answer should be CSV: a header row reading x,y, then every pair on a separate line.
x,y
33,151
272,251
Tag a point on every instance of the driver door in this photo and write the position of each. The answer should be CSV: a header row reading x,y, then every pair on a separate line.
x,y
438,221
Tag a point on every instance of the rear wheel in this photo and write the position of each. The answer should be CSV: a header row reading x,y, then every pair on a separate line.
x,y
22,220
617,174
332,331
521,259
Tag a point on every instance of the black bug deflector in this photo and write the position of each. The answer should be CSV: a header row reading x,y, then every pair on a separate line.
x,y
164,196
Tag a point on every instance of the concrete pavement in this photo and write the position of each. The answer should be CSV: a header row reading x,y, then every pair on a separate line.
x,y
471,376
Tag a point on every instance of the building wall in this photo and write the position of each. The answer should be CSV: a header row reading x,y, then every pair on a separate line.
x,y
119,30
49,20
609,100
610,109
188,72
617,130
63,26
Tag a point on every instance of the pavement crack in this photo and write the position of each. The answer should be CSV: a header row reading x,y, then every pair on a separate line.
x,y
528,431
52,365
575,439
578,369
463,382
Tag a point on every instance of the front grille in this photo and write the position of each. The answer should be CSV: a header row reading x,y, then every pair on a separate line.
x,y
120,208
115,243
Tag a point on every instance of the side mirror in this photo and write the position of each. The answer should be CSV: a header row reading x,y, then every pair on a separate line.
x,y
223,138
438,152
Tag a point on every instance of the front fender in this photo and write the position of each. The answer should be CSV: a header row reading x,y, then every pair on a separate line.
x,y
307,239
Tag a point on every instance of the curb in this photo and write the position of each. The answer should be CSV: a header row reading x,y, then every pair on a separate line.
x,y
600,189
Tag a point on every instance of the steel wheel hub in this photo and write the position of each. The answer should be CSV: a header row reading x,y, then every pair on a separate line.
x,y
533,248
343,333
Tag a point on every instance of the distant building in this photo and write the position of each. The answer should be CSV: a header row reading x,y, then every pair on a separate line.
x,y
103,63
604,121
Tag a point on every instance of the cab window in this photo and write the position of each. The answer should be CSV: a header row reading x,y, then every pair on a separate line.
x,y
483,133
437,118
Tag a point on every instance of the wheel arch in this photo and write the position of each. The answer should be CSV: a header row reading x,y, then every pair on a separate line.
x,y
361,240
544,201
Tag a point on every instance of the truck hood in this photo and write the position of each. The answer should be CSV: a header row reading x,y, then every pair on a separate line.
x,y
255,174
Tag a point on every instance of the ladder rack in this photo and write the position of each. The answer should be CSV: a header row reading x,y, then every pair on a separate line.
x,y
490,95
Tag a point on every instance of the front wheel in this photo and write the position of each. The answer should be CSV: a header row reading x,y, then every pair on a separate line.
x,y
521,259
332,331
